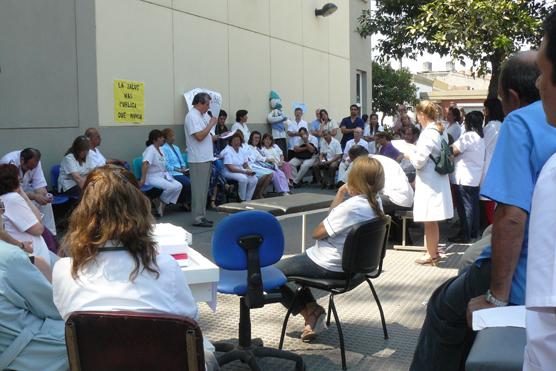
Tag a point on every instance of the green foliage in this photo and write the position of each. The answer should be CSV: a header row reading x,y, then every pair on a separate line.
x,y
484,31
392,87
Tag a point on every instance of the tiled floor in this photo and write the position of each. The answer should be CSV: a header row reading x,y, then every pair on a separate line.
x,y
403,289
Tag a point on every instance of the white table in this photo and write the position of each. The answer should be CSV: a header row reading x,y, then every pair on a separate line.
x,y
202,275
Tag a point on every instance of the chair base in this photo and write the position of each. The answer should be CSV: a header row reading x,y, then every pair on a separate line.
x,y
248,354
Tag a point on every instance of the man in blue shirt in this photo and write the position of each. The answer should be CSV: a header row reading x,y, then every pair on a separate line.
x,y
497,278
348,124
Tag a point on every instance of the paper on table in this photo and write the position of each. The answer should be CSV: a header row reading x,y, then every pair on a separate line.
x,y
510,316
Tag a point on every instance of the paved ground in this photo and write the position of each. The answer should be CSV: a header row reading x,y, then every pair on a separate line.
x,y
403,289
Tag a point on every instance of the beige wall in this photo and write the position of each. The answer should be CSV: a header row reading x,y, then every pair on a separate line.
x,y
240,48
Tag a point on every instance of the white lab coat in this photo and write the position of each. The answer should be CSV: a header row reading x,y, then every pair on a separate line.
x,y
433,199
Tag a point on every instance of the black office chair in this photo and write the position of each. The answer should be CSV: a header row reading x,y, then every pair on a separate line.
x,y
364,251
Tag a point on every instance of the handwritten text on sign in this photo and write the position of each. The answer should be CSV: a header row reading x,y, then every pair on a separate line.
x,y
129,101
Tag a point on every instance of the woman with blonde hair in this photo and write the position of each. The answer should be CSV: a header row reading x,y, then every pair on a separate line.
x,y
433,199
324,259
114,263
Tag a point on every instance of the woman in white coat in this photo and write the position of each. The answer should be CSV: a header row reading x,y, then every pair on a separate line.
x,y
433,199
154,172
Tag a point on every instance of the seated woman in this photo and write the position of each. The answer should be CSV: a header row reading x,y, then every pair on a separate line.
x,y
21,220
114,265
324,259
75,167
236,167
31,329
153,171
273,153
262,163
177,167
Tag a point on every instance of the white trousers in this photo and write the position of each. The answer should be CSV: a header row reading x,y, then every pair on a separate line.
x,y
246,184
540,350
48,217
342,171
170,188
304,166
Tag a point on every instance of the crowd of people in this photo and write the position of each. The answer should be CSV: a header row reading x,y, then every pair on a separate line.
x,y
504,174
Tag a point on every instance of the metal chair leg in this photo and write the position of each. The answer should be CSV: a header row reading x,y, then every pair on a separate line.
x,y
329,308
340,333
285,324
379,309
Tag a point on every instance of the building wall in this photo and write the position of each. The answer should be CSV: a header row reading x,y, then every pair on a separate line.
x,y
240,48
62,81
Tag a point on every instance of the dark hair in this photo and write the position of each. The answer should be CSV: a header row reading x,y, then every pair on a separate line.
x,y
325,111
201,98
549,26
474,122
357,151
223,113
354,105
29,154
520,74
384,134
373,114
267,135
302,129
415,130
81,143
365,117
495,111
299,109
253,133
456,112
9,178
240,113
238,134
153,135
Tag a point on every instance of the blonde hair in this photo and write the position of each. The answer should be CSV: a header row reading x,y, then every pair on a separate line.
x,y
112,208
366,177
431,111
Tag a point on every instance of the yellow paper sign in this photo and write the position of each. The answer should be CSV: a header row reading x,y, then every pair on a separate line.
x,y
129,101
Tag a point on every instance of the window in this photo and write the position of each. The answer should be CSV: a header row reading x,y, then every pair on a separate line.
x,y
358,86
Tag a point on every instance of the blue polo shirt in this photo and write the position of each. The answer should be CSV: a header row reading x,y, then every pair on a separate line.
x,y
348,124
526,141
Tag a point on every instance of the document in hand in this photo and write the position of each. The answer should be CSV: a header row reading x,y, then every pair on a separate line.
x,y
510,316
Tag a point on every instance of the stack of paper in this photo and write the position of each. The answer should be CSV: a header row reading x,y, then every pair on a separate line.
x,y
172,239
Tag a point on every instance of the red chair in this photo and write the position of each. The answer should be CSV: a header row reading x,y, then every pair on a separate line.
x,y
133,341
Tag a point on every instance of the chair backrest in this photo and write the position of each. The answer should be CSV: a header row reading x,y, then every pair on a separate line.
x,y
54,174
137,163
226,248
365,247
133,341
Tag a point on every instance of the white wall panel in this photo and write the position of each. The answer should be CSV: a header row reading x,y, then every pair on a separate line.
x,y
199,62
249,71
140,50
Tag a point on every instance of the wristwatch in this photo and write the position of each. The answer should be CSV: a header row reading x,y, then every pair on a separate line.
x,y
492,300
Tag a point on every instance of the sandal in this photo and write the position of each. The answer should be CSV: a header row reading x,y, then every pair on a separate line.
x,y
428,260
312,329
